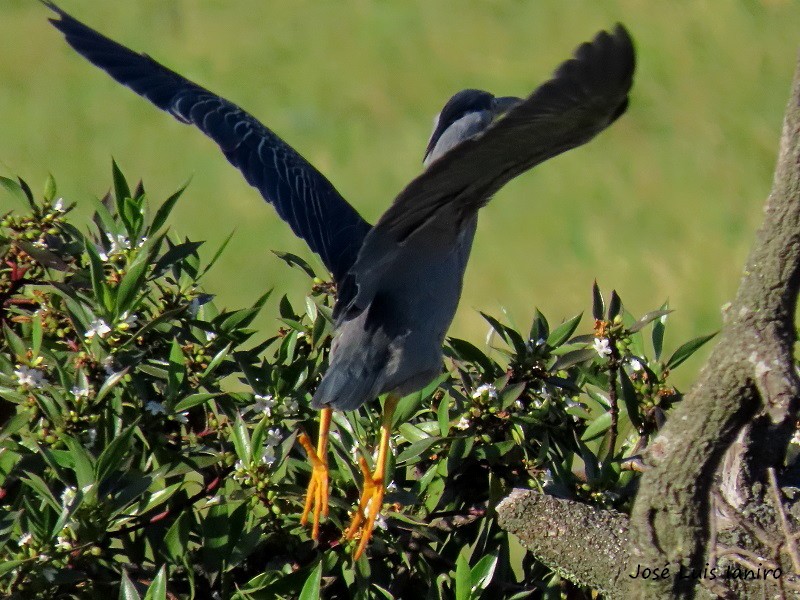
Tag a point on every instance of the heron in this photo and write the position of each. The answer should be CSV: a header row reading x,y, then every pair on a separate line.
x,y
398,281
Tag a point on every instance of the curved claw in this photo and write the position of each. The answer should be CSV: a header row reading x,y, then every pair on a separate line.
x,y
369,507
316,503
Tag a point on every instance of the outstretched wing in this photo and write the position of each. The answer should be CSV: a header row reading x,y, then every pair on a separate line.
x,y
586,94
301,195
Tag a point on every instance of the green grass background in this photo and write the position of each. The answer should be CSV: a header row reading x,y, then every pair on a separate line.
x,y
663,205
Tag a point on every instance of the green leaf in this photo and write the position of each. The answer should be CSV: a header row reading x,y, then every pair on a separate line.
x,y
176,371
687,349
131,285
598,306
194,400
16,190
98,276
597,427
113,454
50,189
510,393
82,462
121,189
466,351
176,540
174,255
570,359
658,332
482,573
18,347
37,484
409,404
10,565
443,416
127,591
109,384
564,331
540,328
43,256
158,589
648,318
416,448
311,588
216,361
295,261
463,580
216,256
163,212
614,305
631,400
241,440
216,536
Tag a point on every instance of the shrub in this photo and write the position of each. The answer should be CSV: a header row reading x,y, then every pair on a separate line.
x,y
148,437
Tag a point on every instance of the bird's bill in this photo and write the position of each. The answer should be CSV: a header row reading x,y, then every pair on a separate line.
x,y
504,104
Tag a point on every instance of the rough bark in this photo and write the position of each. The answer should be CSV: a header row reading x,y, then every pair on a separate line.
x,y
750,378
708,466
561,534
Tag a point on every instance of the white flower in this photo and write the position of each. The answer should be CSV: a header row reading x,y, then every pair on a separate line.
x,y
44,557
268,456
63,543
29,377
67,496
264,404
210,336
547,478
181,417
58,206
602,346
354,449
488,389
636,364
125,320
273,438
795,438
290,406
25,539
108,366
155,408
121,243
99,328
80,392
463,423
380,521
101,253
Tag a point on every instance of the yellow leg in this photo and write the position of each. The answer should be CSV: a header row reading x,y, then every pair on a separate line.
x,y
318,487
371,502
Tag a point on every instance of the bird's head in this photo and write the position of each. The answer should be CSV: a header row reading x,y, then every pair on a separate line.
x,y
464,115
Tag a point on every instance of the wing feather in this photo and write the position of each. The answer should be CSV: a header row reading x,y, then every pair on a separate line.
x,y
301,195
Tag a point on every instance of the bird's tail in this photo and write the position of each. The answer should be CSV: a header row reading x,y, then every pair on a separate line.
x,y
348,386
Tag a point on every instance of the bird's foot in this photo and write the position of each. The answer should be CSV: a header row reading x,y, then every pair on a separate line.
x,y
369,508
318,488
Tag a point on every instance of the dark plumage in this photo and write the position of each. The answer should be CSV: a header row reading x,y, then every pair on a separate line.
x,y
399,281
